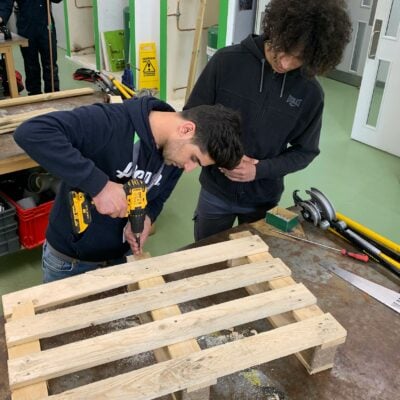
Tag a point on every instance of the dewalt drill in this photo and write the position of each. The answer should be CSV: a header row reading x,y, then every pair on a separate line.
x,y
135,191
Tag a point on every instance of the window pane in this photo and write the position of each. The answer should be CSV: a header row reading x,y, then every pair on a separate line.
x,y
377,95
394,19
358,46
366,3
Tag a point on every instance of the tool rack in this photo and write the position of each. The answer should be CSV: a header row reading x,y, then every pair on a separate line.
x,y
301,328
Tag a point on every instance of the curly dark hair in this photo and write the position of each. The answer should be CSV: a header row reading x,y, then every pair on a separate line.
x,y
319,29
218,130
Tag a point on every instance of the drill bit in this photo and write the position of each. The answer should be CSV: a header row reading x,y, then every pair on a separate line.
x,y
137,238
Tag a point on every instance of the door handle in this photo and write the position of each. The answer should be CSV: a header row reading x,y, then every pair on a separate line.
x,y
376,33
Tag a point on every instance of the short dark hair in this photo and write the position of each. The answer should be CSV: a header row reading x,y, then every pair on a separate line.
x,y
218,131
320,29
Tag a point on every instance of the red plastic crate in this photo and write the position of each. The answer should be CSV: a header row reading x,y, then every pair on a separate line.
x,y
32,223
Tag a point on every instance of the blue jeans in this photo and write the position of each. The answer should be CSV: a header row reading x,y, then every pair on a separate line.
x,y
55,266
214,215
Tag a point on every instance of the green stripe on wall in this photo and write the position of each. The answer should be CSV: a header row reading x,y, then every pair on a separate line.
x,y
96,35
222,23
163,48
66,22
132,41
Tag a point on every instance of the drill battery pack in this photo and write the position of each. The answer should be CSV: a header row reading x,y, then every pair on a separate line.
x,y
80,211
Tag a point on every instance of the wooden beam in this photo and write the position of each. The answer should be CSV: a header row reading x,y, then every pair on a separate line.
x,y
14,118
45,97
196,47
11,122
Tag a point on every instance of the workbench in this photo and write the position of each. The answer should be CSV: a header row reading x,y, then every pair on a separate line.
x,y
6,48
12,157
366,366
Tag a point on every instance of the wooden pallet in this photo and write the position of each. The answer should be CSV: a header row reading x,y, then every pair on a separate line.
x,y
300,324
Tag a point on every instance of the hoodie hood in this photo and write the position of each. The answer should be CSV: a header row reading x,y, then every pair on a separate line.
x,y
139,115
255,45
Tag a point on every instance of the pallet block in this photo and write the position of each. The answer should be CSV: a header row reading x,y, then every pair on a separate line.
x,y
189,367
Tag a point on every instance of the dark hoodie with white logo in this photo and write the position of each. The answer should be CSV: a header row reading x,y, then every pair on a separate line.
x,y
86,148
281,119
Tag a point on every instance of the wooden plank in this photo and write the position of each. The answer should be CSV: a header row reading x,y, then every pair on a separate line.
x,y
36,390
150,298
45,97
14,118
103,279
11,122
128,342
160,379
196,47
312,360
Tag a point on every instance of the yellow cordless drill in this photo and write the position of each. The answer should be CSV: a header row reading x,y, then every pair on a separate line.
x,y
135,191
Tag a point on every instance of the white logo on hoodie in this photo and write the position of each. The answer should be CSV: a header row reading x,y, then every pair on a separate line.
x,y
137,173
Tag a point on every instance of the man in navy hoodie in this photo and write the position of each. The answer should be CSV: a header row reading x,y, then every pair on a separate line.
x,y
32,23
270,80
96,149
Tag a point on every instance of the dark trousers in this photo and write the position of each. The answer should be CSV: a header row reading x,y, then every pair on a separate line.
x,y
214,215
37,62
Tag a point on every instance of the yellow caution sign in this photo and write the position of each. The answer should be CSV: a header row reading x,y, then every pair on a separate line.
x,y
149,76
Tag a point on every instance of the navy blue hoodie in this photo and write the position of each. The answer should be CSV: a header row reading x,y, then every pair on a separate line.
x,y
281,119
86,148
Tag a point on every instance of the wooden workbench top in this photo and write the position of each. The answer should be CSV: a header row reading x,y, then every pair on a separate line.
x,y
12,157
15,41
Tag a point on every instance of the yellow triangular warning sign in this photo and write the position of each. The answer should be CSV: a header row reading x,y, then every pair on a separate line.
x,y
149,77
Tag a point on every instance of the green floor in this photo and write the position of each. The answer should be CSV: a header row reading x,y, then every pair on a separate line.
x,y
361,182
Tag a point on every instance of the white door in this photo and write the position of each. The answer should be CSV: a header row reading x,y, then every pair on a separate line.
x,y
355,53
376,121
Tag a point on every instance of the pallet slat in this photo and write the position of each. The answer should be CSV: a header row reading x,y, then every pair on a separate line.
x,y
173,375
103,279
104,310
117,345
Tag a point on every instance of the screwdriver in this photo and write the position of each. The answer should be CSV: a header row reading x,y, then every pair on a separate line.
x,y
344,252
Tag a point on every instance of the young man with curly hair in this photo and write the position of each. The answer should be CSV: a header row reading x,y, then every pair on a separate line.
x,y
270,79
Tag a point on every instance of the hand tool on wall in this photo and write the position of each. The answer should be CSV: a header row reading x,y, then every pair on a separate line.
x,y
135,190
344,252
320,211
388,297
108,84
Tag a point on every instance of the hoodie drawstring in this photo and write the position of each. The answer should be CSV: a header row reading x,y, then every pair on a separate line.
x,y
283,85
262,75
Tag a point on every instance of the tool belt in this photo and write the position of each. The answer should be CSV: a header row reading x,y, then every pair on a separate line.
x,y
69,259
